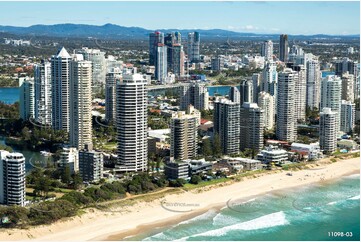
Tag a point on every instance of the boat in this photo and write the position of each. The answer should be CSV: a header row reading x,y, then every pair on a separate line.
x,y
45,153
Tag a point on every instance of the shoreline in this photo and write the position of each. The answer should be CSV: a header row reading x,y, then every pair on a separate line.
x,y
161,225
151,216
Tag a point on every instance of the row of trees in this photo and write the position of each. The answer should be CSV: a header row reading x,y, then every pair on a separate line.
x,y
68,205
47,180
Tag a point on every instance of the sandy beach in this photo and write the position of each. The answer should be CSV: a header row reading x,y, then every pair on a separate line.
x,y
118,223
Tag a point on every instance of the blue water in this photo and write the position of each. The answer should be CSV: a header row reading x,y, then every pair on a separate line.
x,y
307,213
32,158
9,95
219,90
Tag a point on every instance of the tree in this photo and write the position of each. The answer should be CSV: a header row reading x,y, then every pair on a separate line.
x,y
195,179
177,183
206,147
77,180
5,147
25,133
42,186
249,152
217,147
66,176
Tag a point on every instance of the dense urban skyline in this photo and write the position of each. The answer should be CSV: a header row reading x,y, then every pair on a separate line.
x,y
103,132
251,17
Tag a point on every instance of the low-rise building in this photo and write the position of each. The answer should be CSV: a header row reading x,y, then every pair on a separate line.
x,y
176,170
272,154
198,167
90,164
347,144
245,164
309,151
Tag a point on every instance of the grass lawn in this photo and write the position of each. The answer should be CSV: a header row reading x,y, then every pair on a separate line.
x,y
110,145
59,192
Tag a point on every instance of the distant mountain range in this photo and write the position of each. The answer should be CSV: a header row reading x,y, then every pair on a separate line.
x,y
112,31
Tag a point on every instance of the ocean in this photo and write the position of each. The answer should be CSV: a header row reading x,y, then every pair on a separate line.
x,y
323,211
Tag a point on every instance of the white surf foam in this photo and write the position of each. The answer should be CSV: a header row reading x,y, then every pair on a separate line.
x,y
267,221
207,215
160,236
354,198
221,219
331,203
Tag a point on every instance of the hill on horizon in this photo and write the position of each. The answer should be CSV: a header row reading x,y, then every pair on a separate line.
x,y
113,31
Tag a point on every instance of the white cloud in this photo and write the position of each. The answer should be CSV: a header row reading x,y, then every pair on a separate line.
x,y
248,27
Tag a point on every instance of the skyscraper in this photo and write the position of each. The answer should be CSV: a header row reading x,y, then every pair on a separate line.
x,y
195,94
286,116
226,120
132,124
234,95
184,136
193,47
283,48
348,82
251,127
175,54
313,78
331,96
60,68
177,61
328,131
111,80
346,65
27,98
154,39
169,41
80,103
246,90
42,82
161,63
99,66
256,81
267,50
12,178
300,91
266,103
348,112
178,37
270,79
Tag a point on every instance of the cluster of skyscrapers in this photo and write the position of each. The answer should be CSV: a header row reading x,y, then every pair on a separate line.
x,y
166,54
301,85
60,96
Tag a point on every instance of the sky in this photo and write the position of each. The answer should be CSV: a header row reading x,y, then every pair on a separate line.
x,y
337,17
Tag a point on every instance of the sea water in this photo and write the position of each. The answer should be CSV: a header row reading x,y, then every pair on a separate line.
x,y
314,212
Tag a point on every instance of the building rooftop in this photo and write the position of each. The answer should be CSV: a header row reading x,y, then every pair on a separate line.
x,y
63,53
